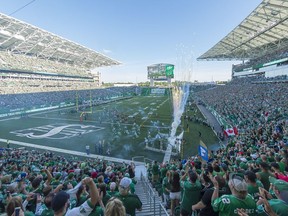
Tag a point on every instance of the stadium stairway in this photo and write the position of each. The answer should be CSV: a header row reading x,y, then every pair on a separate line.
x,y
151,201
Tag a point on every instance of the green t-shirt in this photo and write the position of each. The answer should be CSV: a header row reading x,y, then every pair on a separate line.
x,y
281,166
131,203
155,169
254,190
97,211
163,172
227,205
191,194
264,178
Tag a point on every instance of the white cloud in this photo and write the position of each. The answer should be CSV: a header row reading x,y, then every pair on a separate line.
x,y
107,51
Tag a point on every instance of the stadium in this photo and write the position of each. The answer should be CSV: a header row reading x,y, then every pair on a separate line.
x,y
178,148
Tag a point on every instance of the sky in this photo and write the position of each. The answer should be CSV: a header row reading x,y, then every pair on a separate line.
x,y
139,33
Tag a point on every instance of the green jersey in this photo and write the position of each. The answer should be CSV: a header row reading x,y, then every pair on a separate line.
x,y
191,194
44,211
227,205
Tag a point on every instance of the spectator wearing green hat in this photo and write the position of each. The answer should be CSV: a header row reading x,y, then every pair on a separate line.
x,y
70,179
56,180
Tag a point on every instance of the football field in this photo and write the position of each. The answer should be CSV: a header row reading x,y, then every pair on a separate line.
x,y
121,129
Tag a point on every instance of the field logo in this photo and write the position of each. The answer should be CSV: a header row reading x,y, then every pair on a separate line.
x,y
56,131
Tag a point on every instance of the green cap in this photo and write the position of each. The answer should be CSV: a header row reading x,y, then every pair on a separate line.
x,y
279,184
71,175
243,165
58,175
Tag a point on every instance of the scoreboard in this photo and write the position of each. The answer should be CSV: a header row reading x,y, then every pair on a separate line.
x,y
160,71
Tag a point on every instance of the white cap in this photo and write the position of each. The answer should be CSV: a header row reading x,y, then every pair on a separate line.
x,y
125,182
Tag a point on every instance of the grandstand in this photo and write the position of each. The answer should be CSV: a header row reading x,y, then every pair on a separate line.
x,y
34,60
260,41
58,86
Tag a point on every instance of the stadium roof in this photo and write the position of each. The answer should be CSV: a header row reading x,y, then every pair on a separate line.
x,y
21,38
264,31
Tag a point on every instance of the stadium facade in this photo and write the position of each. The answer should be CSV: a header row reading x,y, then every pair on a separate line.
x,y
34,60
260,42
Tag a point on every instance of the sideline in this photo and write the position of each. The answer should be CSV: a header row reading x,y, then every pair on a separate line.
x,y
66,151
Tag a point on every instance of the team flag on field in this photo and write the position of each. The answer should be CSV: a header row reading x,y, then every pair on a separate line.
x,y
203,151
231,131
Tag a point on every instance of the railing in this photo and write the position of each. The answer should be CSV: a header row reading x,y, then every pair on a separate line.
x,y
147,160
133,158
151,197
142,159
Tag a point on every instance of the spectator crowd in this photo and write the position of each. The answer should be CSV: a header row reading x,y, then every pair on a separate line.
x,y
41,183
249,176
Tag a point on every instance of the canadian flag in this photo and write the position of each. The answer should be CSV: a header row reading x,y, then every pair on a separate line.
x,y
231,131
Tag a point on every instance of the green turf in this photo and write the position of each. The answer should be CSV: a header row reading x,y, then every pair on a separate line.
x,y
103,121
192,134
